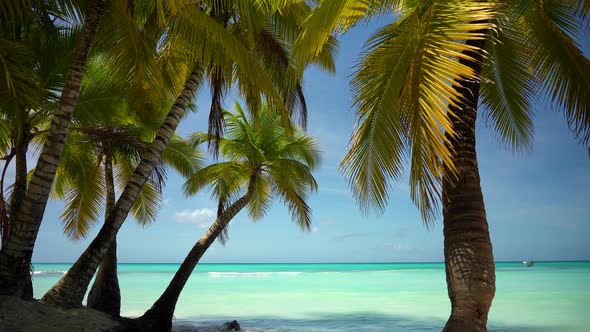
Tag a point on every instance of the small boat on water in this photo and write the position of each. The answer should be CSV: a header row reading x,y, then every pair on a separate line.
x,y
528,263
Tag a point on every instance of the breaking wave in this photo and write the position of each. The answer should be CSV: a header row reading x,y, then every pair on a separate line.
x,y
49,273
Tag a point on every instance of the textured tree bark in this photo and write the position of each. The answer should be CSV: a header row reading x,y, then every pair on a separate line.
x,y
18,194
105,294
468,252
70,289
19,153
16,253
159,317
20,180
4,220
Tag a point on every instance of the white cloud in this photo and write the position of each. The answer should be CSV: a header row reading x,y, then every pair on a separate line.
x,y
315,229
202,217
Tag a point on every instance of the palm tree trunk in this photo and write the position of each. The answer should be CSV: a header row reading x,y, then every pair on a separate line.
x,y
105,294
18,194
20,179
4,220
70,289
19,153
16,253
159,317
468,252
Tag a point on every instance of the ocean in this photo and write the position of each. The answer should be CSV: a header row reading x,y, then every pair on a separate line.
x,y
550,296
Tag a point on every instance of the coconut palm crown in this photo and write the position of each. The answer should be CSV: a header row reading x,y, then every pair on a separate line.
x,y
261,160
403,91
258,150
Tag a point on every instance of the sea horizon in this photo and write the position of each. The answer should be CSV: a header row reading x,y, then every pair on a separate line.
x,y
384,262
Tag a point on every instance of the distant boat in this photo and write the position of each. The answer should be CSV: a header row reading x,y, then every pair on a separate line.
x,y
528,263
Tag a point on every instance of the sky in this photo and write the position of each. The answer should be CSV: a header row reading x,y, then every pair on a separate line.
x,y
537,202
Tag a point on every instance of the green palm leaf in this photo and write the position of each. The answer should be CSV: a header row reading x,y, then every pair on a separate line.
x,y
508,87
203,35
145,209
563,71
402,92
146,206
183,157
83,202
263,159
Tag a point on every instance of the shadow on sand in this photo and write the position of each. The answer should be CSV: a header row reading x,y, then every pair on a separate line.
x,y
373,322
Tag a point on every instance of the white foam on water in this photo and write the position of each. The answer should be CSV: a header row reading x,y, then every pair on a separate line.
x,y
48,272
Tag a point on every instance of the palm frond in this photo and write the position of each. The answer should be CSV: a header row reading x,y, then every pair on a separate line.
x,y
566,16
295,201
146,206
223,237
83,202
5,137
18,81
183,157
325,58
329,17
216,125
261,198
218,175
403,92
582,7
145,209
206,37
508,87
562,69
302,148
263,160
15,10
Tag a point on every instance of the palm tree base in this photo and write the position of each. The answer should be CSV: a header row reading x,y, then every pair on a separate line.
x,y
22,289
62,296
154,320
105,294
106,298
15,283
464,324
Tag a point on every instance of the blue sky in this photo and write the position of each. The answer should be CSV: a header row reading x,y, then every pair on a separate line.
x,y
537,202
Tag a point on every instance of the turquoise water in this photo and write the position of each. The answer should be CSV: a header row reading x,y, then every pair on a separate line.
x,y
551,296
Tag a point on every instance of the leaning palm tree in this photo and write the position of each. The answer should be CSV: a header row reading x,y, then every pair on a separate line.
x,y
58,17
36,54
261,160
132,33
105,142
417,90
16,252
208,43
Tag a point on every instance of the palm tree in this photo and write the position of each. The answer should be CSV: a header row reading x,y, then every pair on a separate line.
x,y
102,151
212,42
142,26
261,161
105,127
417,90
35,56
